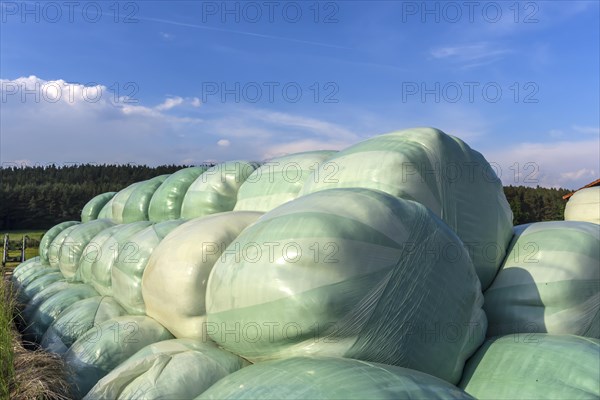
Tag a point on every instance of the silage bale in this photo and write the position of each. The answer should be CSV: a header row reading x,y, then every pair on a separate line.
x,y
55,245
118,202
76,241
584,205
24,266
77,319
549,282
216,190
167,199
49,236
117,246
107,210
534,366
171,369
280,180
29,272
31,287
330,378
126,273
174,281
105,346
92,208
351,273
42,296
91,253
439,171
136,207
47,312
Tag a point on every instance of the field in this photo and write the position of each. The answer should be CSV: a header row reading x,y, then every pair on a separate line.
x,y
16,237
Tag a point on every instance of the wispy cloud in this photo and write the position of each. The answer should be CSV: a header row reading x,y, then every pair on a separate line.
x,y
470,55
588,130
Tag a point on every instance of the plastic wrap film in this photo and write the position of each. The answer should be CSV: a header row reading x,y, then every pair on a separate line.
x,y
41,297
280,180
105,346
77,319
584,205
91,253
439,171
39,282
136,207
55,245
92,208
107,210
118,202
534,366
49,236
352,273
29,272
216,189
549,282
167,199
23,267
127,272
330,378
171,369
45,314
117,246
174,281
72,247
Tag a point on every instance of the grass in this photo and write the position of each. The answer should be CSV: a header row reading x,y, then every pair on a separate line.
x,y
26,374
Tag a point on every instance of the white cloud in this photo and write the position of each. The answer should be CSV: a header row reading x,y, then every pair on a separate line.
x,y
223,143
196,102
591,130
170,103
471,55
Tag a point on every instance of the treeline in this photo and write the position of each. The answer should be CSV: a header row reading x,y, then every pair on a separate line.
x,y
41,197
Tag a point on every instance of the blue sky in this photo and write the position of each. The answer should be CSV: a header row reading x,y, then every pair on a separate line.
x,y
154,82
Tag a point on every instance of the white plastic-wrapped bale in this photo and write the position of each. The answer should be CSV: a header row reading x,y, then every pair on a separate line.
x,y
326,378
117,246
216,189
167,199
104,347
171,369
584,205
56,244
92,208
280,180
174,281
49,236
534,366
549,282
136,206
30,272
24,267
73,245
45,314
37,283
126,274
118,202
107,210
439,171
42,296
352,273
77,319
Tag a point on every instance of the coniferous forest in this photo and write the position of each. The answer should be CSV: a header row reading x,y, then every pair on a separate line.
x,y
40,197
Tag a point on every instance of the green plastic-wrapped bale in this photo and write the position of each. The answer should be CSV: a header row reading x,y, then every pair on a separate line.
x,y
171,369
45,314
328,378
439,171
49,236
216,189
549,282
42,296
118,202
56,244
73,245
127,272
174,281
107,210
167,199
280,180
104,347
93,207
534,366
584,205
117,246
91,253
29,272
136,206
38,283
24,267
352,273
77,319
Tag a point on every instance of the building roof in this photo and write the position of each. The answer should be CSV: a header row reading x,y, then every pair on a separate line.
x,y
589,185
